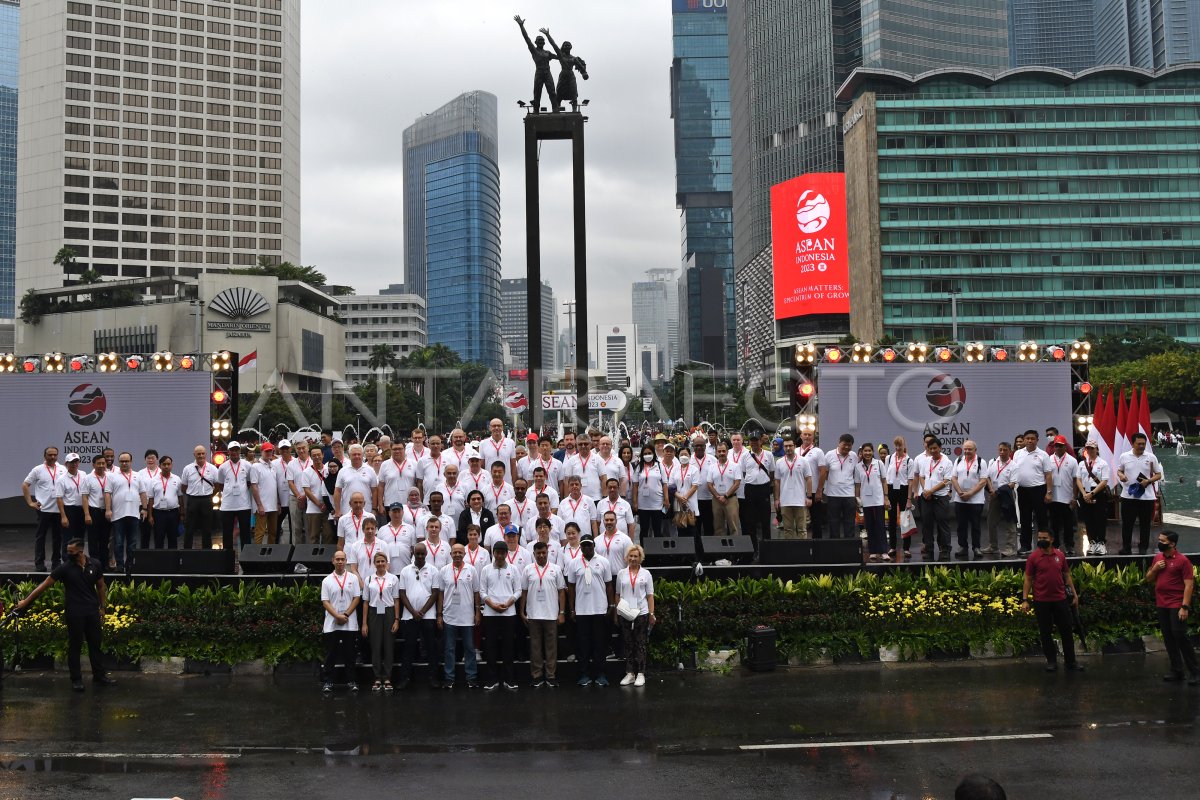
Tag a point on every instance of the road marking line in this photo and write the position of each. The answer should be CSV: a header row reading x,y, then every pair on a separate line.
x,y
125,756
886,742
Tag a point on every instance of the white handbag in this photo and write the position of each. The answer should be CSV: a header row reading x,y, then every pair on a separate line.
x,y
627,610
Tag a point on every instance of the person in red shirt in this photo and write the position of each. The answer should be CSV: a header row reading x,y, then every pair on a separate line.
x,y
1047,574
1172,576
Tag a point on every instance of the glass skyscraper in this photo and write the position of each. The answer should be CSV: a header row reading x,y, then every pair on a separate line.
x,y
1052,33
703,175
1052,207
1151,34
10,40
452,225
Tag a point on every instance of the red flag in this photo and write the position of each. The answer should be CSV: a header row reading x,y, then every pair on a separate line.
x,y
1133,418
1121,439
1145,416
1105,422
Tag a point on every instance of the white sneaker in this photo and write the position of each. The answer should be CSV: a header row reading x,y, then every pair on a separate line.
x,y
628,679
640,680
1101,549
1091,549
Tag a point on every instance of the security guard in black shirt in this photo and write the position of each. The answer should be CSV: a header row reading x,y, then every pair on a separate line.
x,y
83,580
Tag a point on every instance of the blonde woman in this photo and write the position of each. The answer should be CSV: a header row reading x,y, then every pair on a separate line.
x,y
635,588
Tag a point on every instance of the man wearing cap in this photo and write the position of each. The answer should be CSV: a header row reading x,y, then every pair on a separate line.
x,y
265,482
69,497
476,479
543,609
590,589
163,505
1092,478
500,589
758,466
38,489
233,482
1062,505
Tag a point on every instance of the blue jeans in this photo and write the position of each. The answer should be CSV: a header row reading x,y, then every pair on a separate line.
x,y
453,635
125,538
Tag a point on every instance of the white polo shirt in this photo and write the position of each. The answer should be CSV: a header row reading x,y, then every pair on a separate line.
x,y
590,579
340,591
494,496
970,474
500,584
650,482
477,557
1145,466
898,471
418,586
608,468
935,472
541,586
815,457
126,494
438,554
568,555
581,512
351,480
792,476
701,465
296,470
234,480
475,480
264,476
69,488
529,532
869,477
361,555
839,482
198,482
613,549
431,471
620,507
548,490
686,478
1099,469
588,472
1031,468
93,485
504,450
399,552
165,491
448,525
349,529
1063,470
635,590
312,479
757,475
41,480
380,594
1002,474
553,552
458,588
397,478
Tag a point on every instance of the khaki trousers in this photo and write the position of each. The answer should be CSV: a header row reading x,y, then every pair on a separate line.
x,y
795,522
725,518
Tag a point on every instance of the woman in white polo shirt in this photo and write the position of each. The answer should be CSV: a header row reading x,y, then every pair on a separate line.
x,y
635,586
381,621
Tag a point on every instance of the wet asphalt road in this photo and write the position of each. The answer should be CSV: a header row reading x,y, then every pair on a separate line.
x,y
1114,731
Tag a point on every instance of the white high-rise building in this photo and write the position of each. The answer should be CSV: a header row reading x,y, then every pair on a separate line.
x,y
157,137
394,320
616,357
656,309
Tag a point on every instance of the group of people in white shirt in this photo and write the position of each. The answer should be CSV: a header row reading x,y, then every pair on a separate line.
x,y
1023,490
450,597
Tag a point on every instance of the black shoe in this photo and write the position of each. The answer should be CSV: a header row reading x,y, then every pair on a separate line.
x,y
472,684
538,683
491,687
447,685
1173,677
77,685
961,553
512,687
352,686
1052,667
1076,667
1070,554
551,683
1124,552
326,688
104,680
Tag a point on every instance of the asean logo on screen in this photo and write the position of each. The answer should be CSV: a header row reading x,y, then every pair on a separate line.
x,y
946,395
87,404
812,212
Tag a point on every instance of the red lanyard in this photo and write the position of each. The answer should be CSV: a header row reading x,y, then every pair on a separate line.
x,y
1058,464
341,583
369,549
235,469
574,505
395,532
478,550
737,459
842,461
102,481
790,466
612,505
400,465
608,541
574,555
513,558
721,469
128,480
496,492
1001,466
933,465
413,513
645,474
456,571
969,461
150,473
683,471
868,469
583,463
541,573
53,474
357,523
545,466
381,582
433,553
75,479
521,508
437,464
633,576
165,481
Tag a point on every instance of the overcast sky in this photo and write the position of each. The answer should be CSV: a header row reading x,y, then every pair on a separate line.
x,y
371,67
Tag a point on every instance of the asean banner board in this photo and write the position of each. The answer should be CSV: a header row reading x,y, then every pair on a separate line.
x,y
87,412
987,403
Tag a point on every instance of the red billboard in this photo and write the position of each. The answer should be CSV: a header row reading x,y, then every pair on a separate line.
x,y
810,253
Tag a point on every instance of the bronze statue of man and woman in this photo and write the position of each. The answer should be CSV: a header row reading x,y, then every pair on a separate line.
x,y
567,89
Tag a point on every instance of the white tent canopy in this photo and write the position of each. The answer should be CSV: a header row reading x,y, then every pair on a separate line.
x,y
1162,416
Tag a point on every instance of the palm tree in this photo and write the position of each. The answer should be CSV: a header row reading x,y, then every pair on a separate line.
x,y
382,359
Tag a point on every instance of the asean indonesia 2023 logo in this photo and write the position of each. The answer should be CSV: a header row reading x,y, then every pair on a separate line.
x,y
946,395
812,212
87,404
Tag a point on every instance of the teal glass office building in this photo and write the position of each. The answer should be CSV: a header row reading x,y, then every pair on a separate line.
x,y
1050,205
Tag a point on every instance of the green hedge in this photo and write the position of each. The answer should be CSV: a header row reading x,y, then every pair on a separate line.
x,y
935,609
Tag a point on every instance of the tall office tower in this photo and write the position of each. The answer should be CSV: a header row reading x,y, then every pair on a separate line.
x,y
10,44
1052,33
786,62
704,174
452,225
1151,34
157,139
616,357
514,322
656,309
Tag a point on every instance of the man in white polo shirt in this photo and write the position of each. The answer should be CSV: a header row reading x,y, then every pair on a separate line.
x,y
936,476
265,479
123,508
38,489
723,479
792,490
458,603
233,482
835,485
399,474
500,589
498,447
68,495
1035,490
418,581
92,490
543,609
1139,473
584,465
618,505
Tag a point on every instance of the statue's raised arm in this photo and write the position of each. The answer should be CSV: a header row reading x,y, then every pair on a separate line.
x,y
521,23
542,77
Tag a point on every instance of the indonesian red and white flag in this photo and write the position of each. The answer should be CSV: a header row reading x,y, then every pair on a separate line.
x,y
248,362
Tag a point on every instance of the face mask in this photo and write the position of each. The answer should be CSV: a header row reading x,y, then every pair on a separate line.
x,y
1163,547
684,459
1042,543
647,458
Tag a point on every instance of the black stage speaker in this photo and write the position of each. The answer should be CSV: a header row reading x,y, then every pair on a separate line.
x,y
266,559
837,551
785,551
316,557
155,562
206,562
761,653
669,552
737,549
